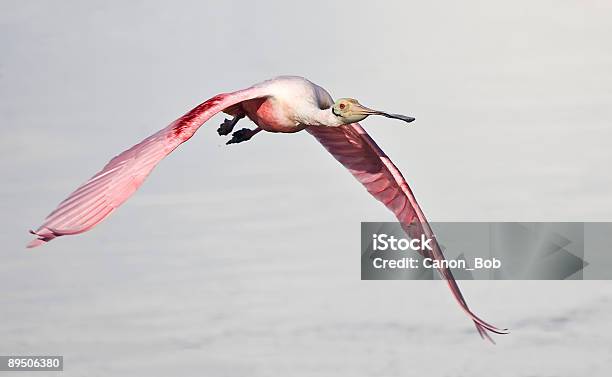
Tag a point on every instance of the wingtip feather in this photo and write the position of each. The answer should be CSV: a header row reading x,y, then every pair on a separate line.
x,y
35,243
44,235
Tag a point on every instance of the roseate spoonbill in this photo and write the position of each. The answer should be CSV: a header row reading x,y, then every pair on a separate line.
x,y
284,104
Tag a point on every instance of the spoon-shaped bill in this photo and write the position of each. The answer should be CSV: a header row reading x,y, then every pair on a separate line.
x,y
362,110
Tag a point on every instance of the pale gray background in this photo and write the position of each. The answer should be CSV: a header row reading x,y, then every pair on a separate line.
x,y
244,260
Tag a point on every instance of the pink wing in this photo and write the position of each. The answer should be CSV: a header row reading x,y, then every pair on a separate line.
x,y
97,198
355,149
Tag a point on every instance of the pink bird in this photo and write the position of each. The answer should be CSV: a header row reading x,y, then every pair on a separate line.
x,y
284,104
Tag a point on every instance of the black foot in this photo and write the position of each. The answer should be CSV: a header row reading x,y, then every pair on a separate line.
x,y
241,135
226,127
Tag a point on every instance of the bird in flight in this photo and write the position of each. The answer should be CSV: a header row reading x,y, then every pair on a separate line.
x,y
284,104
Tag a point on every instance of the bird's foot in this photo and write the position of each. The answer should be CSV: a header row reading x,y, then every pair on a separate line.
x,y
227,126
242,135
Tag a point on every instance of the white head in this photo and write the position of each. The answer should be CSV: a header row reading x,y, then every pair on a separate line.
x,y
348,110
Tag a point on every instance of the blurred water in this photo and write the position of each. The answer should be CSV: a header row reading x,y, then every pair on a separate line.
x,y
245,259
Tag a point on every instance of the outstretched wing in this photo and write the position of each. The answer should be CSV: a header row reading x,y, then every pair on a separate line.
x,y
355,149
97,198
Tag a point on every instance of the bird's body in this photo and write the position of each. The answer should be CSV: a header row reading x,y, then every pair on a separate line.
x,y
292,104
286,104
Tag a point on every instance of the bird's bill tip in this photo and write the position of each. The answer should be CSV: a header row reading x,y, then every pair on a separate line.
x,y
405,118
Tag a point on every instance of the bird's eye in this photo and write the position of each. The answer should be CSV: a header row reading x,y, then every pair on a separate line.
x,y
342,106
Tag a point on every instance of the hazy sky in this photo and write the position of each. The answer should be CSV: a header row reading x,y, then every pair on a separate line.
x,y
245,258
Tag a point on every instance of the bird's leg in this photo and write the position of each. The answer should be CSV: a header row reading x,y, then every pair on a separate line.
x,y
228,125
243,135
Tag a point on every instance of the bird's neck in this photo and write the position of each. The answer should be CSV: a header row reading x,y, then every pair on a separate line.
x,y
324,118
